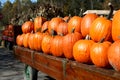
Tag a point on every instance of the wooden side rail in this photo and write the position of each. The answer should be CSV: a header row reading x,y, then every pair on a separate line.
x,y
61,68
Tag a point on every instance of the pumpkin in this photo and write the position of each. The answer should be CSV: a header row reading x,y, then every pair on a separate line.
x,y
38,22
25,40
19,39
38,40
54,22
45,27
62,28
46,44
56,46
74,22
98,54
81,51
116,26
114,55
86,23
100,28
28,27
68,42
31,41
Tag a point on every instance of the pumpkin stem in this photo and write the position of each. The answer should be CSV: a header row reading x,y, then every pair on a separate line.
x,y
101,40
111,11
73,30
87,37
39,29
53,32
44,30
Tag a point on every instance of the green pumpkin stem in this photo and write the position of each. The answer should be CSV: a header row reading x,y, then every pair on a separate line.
x,y
44,30
111,11
38,30
73,30
53,33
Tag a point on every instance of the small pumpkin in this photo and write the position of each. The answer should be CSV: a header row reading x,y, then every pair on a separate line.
x,y
68,42
45,27
86,23
38,22
28,27
54,22
98,54
31,41
19,39
81,51
74,22
25,40
114,55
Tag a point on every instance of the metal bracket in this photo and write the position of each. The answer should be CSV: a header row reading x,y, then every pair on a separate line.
x,y
64,63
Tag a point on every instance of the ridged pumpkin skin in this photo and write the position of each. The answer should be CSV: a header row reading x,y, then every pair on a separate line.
x,y
86,23
74,22
100,28
19,39
98,54
114,55
54,22
28,27
38,22
25,40
68,42
81,51
62,28
38,41
46,44
56,46
31,41
45,26
116,26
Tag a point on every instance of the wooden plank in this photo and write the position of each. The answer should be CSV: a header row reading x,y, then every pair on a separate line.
x,y
63,69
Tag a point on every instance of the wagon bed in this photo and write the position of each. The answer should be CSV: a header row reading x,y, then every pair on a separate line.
x,y
62,68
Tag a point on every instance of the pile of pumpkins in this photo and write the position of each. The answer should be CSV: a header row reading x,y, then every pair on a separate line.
x,y
90,39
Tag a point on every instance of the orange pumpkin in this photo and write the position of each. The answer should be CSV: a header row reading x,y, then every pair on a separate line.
x,y
86,23
25,40
38,41
100,28
19,39
68,42
54,22
116,26
74,22
46,44
56,46
38,22
45,27
27,27
98,54
31,41
114,55
81,51
62,28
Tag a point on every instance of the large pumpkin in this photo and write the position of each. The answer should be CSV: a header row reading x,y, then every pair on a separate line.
x,y
56,46
54,22
101,28
28,27
86,23
81,51
116,26
68,42
74,22
38,22
114,55
98,54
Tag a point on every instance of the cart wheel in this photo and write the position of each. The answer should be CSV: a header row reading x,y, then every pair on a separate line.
x,y
30,73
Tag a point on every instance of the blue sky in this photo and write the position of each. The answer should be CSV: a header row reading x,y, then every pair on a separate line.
x,y
3,1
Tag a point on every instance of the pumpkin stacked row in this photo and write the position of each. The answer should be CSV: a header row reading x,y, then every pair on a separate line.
x,y
65,37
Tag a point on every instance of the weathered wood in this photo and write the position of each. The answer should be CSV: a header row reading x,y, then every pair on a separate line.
x,y
63,69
